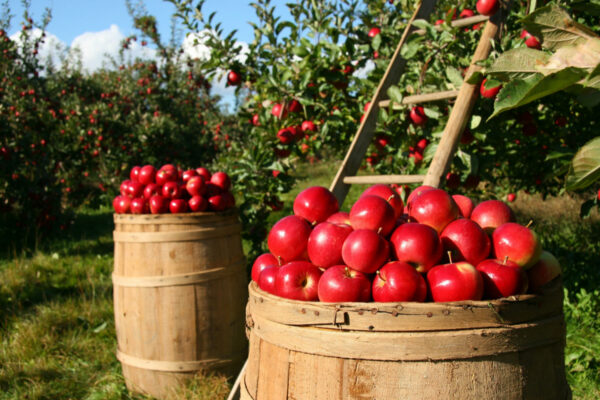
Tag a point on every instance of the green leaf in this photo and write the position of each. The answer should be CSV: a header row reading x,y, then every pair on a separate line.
x,y
556,28
586,208
431,113
475,121
585,167
583,55
376,42
475,78
517,63
519,92
454,76
300,51
395,94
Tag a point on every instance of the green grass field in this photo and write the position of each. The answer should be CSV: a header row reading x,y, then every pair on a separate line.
x,y
56,317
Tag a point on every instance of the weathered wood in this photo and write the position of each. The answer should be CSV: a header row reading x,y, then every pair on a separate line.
x,y
387,179
421,98
459,23
509,361
461,112
363,137
178,299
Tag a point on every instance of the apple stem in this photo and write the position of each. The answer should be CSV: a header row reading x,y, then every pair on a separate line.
x,y
347,272
450,256
529,224
279,260
505,260
379,275
379,230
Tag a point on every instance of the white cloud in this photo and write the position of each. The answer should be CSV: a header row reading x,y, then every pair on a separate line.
x,y
364,71
51,46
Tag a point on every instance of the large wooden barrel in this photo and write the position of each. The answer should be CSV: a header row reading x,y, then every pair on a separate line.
x,y
179,295
502,349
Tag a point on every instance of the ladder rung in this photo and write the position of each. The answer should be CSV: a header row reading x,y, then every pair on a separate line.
x,y
422,98
385,179
459,23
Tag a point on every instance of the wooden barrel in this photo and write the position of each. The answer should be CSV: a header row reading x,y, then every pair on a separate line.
x,y
179,295
501,349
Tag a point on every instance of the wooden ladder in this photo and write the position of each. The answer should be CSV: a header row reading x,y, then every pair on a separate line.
x,y
460,114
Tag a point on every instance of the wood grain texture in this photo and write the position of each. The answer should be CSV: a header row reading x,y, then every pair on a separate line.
x,y
179,303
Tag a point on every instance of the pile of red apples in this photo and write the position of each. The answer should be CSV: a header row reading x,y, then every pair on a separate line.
x,y
436,248
173,190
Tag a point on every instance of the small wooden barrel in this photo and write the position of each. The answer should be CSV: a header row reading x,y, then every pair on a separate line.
x,y
179,294
502,349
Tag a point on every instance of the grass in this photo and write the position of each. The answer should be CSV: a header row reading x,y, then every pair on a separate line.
x,y
57,326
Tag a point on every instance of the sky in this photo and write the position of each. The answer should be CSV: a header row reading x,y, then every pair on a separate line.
x,y
98,26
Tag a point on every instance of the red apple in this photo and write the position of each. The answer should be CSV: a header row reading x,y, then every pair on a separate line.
x,y
342,284
212,190
279,111
295,106
490,214
139,205
417,192
267,279
177,206
147,175
374,32
298,280
502,278
435,208
233,78
530,40
374,213
315,204
121,204
172,190
389,195
418,245
217,202
263,261
221,179
455,282
187,174
308,126
544,271
123,187
228,199
398,281
158,204
152,189
288,239
465,205
197,203
165,175
452,180
134,173
195,186
489,93
466,13
511,197
325,244
417,115
487,7
466,241
364,250
517,242
134,189
340,218
286,135
205,173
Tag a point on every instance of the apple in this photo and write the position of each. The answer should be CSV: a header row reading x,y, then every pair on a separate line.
x,y
365,250
263,261
134,189
286,135
340,218
381,142
435,208
221,179
177,206
197,203
487,7
398,281
217,202
295,106
389,195
455,282
139,205
233,78
511,197
267,278
196,186
490,214
158,204
288,239
165,175
325,244
530,41
255,120
417,192
452,180
374,32
151,189
374,213
172,190
134,173
341,284
212,189
298,280
466,13
544,271
315,204
123,187
308,126
489,93
205,173
228,199
147,175
279,111
465,205
188,174
466,241
417,244
517,242
502,278
417,115
121,204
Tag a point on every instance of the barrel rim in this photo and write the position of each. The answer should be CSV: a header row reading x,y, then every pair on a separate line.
x,y
182,218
